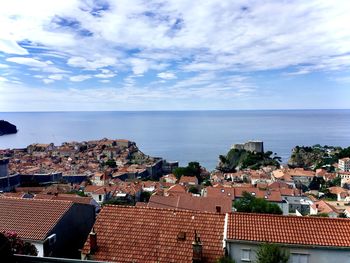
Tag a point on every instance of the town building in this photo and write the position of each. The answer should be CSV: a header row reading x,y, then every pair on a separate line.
x,y
56,228
323,208
187,202
307,239
7,181
252,146
139,234
235,193
344,164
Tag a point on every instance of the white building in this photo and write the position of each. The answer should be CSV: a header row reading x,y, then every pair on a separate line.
x,y
344,164
306,239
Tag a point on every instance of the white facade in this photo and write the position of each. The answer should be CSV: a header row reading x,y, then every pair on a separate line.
x,y
344,164
40,247
246,252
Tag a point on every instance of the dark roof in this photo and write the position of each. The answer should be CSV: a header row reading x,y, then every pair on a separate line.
x,y
316,231
30,218
127,234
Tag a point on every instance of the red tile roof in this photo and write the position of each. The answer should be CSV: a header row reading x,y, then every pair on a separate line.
x,y
316,231
237,192
65,197
188,179
176,189
185,202
30,218
139,234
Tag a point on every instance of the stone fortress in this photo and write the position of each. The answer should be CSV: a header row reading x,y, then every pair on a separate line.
x,y
252,146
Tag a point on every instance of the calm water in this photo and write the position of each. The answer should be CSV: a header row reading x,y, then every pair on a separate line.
x,y
188,135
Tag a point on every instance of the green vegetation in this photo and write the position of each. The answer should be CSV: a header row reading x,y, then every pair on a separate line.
x,y
77,192
119,201
242,159
344,152
10,244
111,163
145,196
225,259
193,190
342,215
317,156
319,184
272,253
250,204
192,169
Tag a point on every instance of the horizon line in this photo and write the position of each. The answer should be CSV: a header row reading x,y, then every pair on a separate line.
x,y
164,110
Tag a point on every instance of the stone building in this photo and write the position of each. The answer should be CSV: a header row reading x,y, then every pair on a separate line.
x,y
252,146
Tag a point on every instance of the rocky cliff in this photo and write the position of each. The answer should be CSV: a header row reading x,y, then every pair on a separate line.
x,y
7,128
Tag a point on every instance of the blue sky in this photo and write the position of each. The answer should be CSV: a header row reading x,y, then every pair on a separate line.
x,y
174,55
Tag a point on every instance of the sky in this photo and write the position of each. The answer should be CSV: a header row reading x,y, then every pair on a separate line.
x,y
92,55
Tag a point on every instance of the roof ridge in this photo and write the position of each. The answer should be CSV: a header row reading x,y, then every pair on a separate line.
x,y
292,216
36,200
163,209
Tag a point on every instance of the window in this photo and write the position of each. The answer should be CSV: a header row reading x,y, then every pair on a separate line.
x,y
245,254
300,258
99,197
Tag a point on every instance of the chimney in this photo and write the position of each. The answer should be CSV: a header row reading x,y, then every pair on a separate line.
x,y
93,241
197,249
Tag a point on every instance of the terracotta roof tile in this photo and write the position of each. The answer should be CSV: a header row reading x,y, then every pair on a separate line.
x,y
139,234
185,202
30,218
316,231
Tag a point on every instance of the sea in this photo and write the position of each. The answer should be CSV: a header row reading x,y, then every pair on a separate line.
x,y
184,136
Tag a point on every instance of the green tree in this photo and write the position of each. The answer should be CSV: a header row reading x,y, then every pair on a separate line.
x,y
192,169
225,259
342,215
111,163
316,183
272,253
250,204
145,196
193,190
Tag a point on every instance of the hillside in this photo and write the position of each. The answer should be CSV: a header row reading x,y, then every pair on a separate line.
x,y
237,159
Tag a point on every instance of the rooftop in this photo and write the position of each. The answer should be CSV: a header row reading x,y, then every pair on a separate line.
x,y
314,231
31,218
186,202
127,234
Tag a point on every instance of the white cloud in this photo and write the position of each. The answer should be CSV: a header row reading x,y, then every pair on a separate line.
x,y
11,47
56,77
139,66
79,78
3,79
220,35
31,62
4,66
48,81
166,75
35,64
92,63
105,75
206,44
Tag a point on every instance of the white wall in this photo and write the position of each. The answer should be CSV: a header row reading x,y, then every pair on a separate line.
x,y
315,255
39,247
